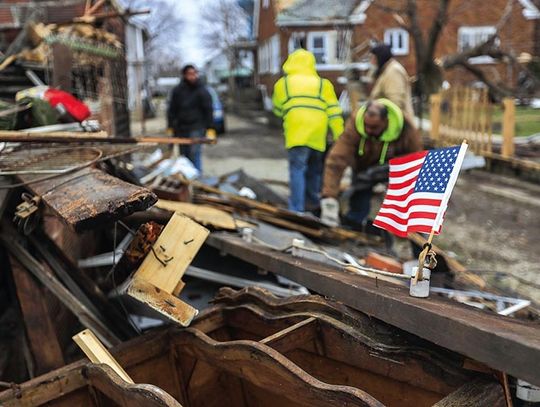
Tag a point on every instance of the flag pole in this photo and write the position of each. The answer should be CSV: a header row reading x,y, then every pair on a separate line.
x,y
442,209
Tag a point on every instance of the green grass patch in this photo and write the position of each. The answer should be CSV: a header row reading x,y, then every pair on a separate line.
x,y
527,121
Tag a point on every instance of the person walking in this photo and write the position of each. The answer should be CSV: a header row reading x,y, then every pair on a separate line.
x,y
308,107
391,80
190,113
378,132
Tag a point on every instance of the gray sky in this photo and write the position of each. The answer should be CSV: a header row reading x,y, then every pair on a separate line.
x,y
189,37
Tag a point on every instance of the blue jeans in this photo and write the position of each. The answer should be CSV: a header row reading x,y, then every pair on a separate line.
x,y
305,176
359,206
193,152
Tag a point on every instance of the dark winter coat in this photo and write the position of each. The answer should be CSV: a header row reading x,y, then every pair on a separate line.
x,y
190,108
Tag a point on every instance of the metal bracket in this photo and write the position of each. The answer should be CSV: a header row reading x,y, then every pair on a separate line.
x,y
26,213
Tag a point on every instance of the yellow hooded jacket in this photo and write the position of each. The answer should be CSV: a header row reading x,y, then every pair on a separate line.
x,y
307,103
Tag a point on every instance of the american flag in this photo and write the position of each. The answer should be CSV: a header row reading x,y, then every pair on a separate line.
x,y
419,187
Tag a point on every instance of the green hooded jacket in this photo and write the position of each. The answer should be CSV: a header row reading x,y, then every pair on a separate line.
x,y
392,132
307,103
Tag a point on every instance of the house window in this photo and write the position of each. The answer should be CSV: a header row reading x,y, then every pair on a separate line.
x,y
398,40
269,56
318,45
275,60
470,37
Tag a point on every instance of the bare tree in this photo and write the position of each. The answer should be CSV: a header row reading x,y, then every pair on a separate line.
x,y
429,69
224,23
164,26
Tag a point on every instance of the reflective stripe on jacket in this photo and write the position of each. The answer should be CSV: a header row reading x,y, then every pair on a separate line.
x,y
307,103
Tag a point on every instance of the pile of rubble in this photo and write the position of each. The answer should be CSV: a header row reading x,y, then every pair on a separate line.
x,y
121,240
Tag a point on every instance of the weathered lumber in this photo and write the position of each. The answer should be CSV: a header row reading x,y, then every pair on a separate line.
x,y
101,137
89,197
159,277
73,277
85,316
97,353
501,343
478,393
396,368
269,370
205,215
102,379
282,217
42,337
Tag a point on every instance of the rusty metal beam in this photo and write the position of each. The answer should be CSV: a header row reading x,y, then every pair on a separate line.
x,y
502,343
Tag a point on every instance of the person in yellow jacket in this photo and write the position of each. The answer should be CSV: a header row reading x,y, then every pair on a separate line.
x,y
308,106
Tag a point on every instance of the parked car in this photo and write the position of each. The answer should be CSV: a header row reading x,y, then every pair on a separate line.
x,y
217,106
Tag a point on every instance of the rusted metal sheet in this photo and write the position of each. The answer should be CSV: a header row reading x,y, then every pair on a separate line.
x,y
502,343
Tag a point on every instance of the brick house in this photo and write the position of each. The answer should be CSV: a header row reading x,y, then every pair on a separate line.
x,y
339,34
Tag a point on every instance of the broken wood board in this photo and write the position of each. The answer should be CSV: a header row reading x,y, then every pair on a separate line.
x,y
308,225
17,136
478,393
502,343
205,215
88,198
97,353
159,277
42,337
85,316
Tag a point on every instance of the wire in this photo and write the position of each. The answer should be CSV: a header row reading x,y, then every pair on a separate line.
x,y
348,266
112,275
48,177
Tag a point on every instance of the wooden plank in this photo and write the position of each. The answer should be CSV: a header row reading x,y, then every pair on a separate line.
x,y
502,343
268,369
292,337
162,302
158,280
89,197
204,214
508,128
97,353
172,253
64,137
127,395
42,337
478,393
61,265
85,316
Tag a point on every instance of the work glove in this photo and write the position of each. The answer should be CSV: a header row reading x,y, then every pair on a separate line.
x,y
330,212
169,131
211,134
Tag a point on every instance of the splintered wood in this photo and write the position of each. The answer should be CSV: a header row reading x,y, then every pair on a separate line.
x,y
159,278
97,353
203,214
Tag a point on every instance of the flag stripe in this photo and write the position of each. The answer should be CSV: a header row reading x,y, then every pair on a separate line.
x,y
404,184
405,199
405,175
417,192
404,215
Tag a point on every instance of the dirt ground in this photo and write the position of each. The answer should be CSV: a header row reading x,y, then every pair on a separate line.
x,y
492,224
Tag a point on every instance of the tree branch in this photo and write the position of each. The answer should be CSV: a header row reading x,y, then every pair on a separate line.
x,y
496,89
437,27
